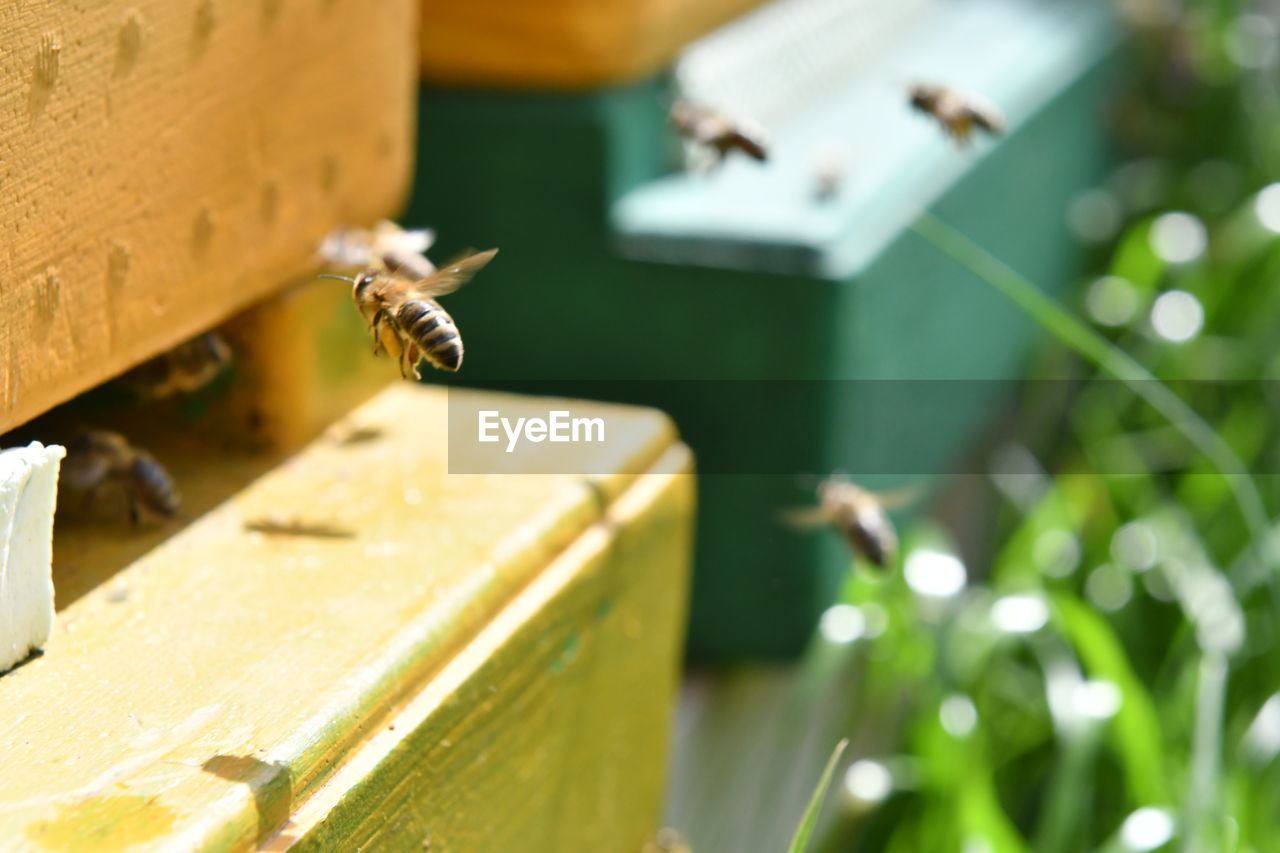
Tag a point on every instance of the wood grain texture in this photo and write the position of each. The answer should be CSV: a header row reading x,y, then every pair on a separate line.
x,y
486,654
165,164
562,44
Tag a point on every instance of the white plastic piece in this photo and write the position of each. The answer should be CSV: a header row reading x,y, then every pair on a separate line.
x,y
28,494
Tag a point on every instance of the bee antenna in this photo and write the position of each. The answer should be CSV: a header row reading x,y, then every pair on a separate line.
x,y
348,279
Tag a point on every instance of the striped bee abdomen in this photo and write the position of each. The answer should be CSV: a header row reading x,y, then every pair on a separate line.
x,y
154,487
870,541
428,326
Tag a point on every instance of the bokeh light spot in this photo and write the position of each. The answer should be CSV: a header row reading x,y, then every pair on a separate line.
x,y
1112,301
1178,238
1020,614
868,782
936,574
1177,316
1147,829
1266,205
1134,545
1250,41
958,715
1097,700
1109,587
1095,215
842,623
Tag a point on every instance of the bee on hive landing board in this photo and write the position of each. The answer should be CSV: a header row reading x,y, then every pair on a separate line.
x,y
185,368
406,320
958,113
718,132
99,456
386,246
858,515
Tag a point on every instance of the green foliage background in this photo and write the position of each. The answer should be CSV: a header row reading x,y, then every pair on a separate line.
x,y
1127,698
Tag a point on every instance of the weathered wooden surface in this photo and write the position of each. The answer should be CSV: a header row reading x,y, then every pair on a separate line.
x,y
166,164
548,732
488,661
570,44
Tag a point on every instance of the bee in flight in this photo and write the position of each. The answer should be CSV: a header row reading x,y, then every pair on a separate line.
x,y
958,114
385,245
185,368
858,515
99,456
406,320
718,132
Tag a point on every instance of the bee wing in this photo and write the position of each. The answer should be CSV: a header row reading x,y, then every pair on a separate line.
x,y
950,106
392,238
347,247
411,265
803,517
682,116
452,275
416,241
985,116
900,497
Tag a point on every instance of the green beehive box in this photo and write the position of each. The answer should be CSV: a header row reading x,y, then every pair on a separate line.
x,y
784,335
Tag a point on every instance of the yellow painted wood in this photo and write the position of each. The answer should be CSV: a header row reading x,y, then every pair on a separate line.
x,y
302,360
166,164
487,658
563,696
563,44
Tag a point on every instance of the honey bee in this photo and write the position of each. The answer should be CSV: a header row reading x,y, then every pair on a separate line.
x,y
856,514
406,320
183,369
97,456
958,114
718,132
386,245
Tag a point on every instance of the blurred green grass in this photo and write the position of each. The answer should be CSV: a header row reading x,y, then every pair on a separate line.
x,y
1107,680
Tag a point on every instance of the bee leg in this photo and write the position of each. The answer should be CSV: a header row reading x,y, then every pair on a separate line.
x,y
131,499
404,372
376,328
413,357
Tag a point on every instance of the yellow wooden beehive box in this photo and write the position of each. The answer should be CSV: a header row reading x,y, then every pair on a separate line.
x,y
168,164
560,44
469,662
